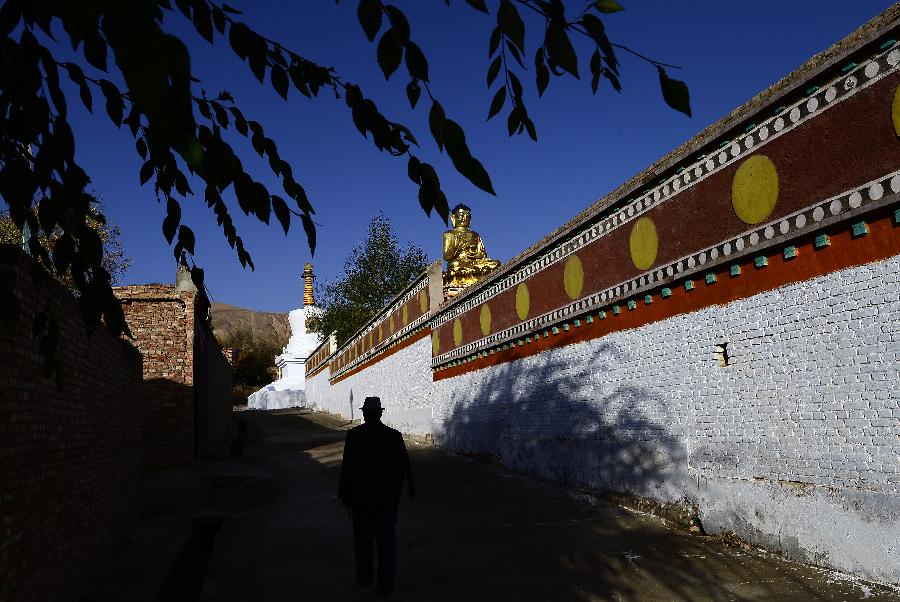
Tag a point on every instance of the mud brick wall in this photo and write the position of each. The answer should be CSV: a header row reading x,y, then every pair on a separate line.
x,y
187,378
70,456
162,323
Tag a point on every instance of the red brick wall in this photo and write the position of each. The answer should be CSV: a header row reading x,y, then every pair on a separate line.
x,y
70,457
162,324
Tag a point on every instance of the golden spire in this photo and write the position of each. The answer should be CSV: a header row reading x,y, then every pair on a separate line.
x,y
308,298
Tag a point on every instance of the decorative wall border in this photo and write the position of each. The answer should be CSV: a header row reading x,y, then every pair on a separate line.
x,y
415,288
851,203
785,120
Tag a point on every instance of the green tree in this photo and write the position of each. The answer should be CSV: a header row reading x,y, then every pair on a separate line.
x,y
115,261
142,76
375,271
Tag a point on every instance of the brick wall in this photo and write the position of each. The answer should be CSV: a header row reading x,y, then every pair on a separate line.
x,y
187,378
70,457
162,323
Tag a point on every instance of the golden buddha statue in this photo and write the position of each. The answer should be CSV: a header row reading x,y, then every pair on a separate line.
x,y
467,260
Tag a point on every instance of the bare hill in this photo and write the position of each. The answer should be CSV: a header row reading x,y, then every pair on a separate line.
x,y
265,326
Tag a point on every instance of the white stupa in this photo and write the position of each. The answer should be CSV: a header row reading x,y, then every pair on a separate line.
x,y
289,390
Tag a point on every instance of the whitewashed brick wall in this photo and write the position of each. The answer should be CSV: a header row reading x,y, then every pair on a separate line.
x,y
795,445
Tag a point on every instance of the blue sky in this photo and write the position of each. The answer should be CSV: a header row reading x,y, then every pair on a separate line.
x,y
587,145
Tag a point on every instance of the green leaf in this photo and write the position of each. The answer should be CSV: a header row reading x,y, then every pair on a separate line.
x,y
436,118
675,93
463,161
282,213
416,63
10,309
389,53
114,104
172,219
608,6
369,14
560,49
511,24
493,70
497,103
279,81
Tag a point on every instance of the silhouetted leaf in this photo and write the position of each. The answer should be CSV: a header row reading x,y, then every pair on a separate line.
x,y
594,26
229,9
77,77
511,24
493,70
497,103
542,74
416,62
494,43
390,52
398,23
560,49
172,219
186,238
436,118
114,105
413,91
279,81
463,161
282,213
310,228
95,51
478,5
141,147
369,14
675,93
203,21
146,172
413,169
218,18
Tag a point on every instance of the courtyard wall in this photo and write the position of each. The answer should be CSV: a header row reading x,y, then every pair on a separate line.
x,y
719,336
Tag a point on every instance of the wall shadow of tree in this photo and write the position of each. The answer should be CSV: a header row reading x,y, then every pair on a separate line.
x,y
561,418
553,419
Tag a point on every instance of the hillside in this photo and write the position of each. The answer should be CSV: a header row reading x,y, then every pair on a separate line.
x,y
227,319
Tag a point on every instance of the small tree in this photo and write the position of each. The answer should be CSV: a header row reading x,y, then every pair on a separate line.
x,y
114,259
375,271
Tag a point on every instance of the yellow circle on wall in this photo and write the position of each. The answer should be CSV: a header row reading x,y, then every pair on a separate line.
x,y
643,243
423,300
435,343
405,315
457,332
573,277
523,301
754,190
895,111
485,320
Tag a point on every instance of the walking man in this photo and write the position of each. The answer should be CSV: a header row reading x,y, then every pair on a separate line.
x,y
374,467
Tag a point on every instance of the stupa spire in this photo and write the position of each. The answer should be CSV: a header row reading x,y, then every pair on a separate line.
x,y
308,298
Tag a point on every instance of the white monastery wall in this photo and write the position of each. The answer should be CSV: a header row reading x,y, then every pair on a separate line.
x,y
795,445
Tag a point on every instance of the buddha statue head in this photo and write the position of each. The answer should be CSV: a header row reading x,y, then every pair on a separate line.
x,y
461,216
